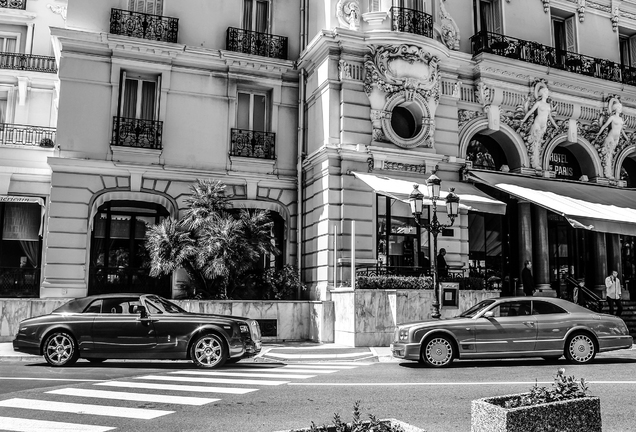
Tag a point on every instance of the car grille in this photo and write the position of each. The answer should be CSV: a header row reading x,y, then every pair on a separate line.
x,y
256,330
396,334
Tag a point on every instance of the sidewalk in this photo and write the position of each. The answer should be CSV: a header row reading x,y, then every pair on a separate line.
x,y
288,351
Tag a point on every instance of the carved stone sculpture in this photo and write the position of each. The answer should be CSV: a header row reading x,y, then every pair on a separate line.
x,y
615,123
542,114
449,31
348,13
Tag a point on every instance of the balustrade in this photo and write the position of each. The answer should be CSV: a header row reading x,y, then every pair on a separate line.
x,y
13,4
26,135
143,25
412,21
131,132
27,62
253,144
251,42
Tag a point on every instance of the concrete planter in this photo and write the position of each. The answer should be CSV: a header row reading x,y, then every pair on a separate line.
x,y
393,423
574,415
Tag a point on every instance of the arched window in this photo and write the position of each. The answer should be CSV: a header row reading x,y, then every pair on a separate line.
x,y
119,261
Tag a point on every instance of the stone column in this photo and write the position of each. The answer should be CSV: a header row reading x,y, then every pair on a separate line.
x,y
525,237
614,259
540,260
599,261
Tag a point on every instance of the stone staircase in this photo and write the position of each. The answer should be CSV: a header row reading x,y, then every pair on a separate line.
x,y
629,314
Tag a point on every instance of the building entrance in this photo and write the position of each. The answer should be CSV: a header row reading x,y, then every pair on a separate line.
x,y
569,252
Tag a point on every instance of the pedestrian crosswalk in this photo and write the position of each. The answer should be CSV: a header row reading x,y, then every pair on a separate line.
x,y
107,400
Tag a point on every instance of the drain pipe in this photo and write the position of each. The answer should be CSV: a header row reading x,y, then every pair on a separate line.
x,y
302,74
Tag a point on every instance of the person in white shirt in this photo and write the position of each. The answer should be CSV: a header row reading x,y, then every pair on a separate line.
x,y
613,293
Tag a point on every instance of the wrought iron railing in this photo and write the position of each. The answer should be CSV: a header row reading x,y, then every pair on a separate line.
x,y
380,270
13,4
412,21
19,282
28,62
143,25
104,280
251,42
131,132
253,144
534,52
27,135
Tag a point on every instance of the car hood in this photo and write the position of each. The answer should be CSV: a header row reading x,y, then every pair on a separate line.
x,y
436,322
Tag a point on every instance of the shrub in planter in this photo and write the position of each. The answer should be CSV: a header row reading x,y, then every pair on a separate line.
x,y
393,282
46,142
566,407
358,425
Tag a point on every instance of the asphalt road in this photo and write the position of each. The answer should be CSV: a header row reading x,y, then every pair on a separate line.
x,y
278,396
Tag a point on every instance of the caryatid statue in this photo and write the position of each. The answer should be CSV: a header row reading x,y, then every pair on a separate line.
x,y
543,113
615,123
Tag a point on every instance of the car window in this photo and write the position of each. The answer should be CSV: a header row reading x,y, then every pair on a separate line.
x,y
163,304
512,309
544,308
94,307
152,308
477,308
120,306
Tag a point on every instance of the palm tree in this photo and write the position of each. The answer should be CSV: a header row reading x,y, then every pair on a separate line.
x,y
216,247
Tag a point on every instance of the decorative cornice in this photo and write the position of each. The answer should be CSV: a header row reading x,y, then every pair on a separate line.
x,y
398,166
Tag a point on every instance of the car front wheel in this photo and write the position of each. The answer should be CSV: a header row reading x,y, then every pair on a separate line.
x,y
60,349
208,351
580,348
437,352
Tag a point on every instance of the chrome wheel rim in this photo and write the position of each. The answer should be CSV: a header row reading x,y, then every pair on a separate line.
x,y
208,351
59,349
439,352
581,349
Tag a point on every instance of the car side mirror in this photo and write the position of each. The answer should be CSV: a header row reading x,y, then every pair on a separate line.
x,y
489,314
143,312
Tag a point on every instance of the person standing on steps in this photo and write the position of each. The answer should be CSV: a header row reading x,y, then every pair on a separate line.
x,y
613,293
527,279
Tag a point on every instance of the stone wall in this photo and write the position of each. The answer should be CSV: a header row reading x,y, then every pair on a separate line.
x,y
368,317
296,320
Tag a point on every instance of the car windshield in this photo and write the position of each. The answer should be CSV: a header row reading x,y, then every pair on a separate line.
x,y
163,304
477,308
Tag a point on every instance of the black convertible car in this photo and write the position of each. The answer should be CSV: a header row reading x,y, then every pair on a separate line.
x,y
136,326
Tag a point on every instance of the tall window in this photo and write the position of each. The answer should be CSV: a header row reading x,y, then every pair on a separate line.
x,y
256,15
488,16
8,43
119,260
485,240
154,7
20,249
252,111
417,5
628,50
564,33
140,96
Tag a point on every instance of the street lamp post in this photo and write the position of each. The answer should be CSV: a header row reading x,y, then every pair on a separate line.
x,y
416,199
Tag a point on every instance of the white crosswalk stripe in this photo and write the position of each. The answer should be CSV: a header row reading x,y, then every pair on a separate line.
x,y
15,424
318,367
104,410
138,397
213,380
333,363
176,387
269,374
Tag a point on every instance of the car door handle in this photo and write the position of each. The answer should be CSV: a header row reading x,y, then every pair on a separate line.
x,y
529,323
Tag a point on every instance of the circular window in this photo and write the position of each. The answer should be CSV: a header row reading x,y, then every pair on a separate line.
x,y
410,123
403,122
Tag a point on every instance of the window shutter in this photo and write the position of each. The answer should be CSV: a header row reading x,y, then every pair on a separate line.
x,y
158,98
570,34
159,7
632,51
374,5
495,8
150,7
140,7
131,5
122,89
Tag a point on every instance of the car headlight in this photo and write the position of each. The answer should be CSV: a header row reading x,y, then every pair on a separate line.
x,y
244,328
404,334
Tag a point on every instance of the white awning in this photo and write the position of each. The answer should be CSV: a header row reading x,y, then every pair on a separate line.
x,y
470,197
27,200
588,206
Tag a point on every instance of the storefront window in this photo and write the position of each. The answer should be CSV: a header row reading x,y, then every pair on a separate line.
x,y
20,249
119,261
485,240
399,238
628,261
569,252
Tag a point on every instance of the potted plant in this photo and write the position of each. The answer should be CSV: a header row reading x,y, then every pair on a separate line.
x,y
565,407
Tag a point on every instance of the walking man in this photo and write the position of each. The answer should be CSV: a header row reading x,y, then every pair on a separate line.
x,y
527,279
613,293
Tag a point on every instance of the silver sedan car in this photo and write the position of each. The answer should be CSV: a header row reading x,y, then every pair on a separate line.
x,y
512,327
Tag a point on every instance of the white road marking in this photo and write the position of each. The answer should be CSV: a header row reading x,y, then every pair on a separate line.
x,y
316,356
139,397
333,363
25,425
111,411
188,388
49,379
318,371
212,380
319,366
245,374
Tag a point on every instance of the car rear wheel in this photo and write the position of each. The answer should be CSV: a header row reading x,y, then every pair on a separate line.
x,y
437,351
208,351
60,349
580,348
